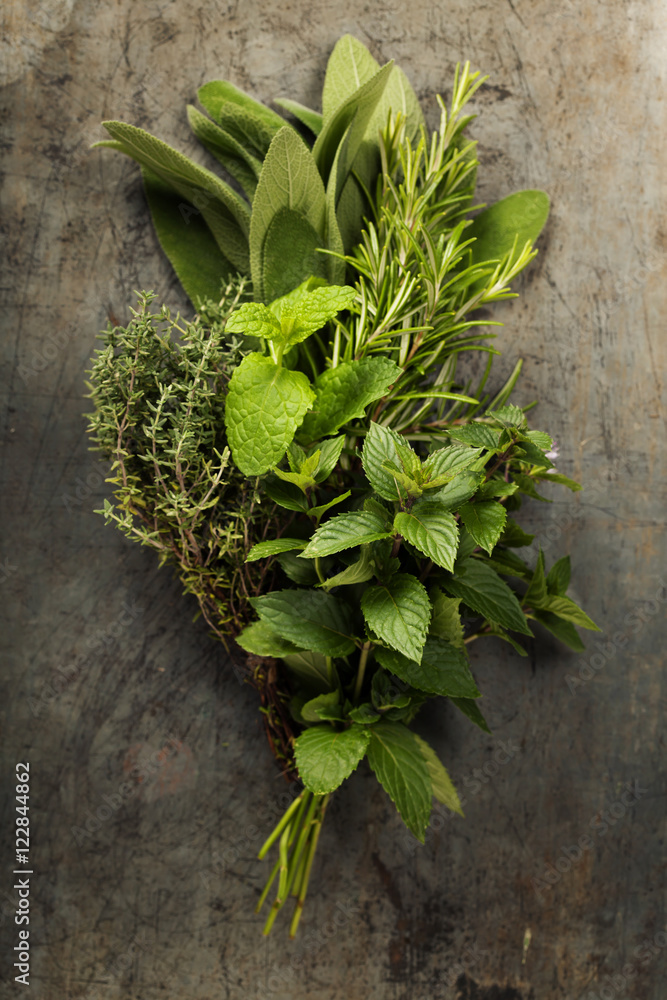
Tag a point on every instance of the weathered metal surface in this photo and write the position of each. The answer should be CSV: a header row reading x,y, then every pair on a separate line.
x,y
139,712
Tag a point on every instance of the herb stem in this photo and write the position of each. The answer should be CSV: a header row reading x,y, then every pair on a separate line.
x,y
365,650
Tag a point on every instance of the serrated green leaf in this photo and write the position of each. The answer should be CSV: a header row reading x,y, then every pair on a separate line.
x,y
526,451
298,570
485,522
284,494
304,483
541,439
365,714
508,416
344,393
566,609
255,320
329,451
386,694
317,512
506,562
446,619
265,404
537,594
274,546
501,633
479,435
563,630
289,182
430,527
443,786
359,572
481,589
309,312
311,119
399,765
193,252
496,488
381,445
310,669
443,669
527,486
309,618
558,577
441,466
470,708
514,536
461,488
260,639
345,532
323,707
398,612
325,758
555,477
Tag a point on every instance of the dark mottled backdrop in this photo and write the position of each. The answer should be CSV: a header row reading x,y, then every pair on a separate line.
x,y
124,707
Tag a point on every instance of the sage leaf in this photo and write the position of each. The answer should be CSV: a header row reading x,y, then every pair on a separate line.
x,y
264,406
228,151
520,216
309,618
400,766
193,252
325,758
398,612
311,119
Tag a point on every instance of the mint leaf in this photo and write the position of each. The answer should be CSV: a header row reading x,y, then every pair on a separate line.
x,y
443,786
480,435
326,758
365,714
566,609
441,466
446,620
470,708
555,477
298,570
496,488
265,405
261,640
272,547
345,532
443,669
329,452
399,765
344,393
514,536
380,446
317,512
558,577
309,618
485,522
323,707
481,589
398,612
430,527
309,668
563,630
359,572
461,488
536,595
255,320
285,494
312,310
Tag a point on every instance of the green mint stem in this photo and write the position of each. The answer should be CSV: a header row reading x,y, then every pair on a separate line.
x,y
365,649
309,864
271,839
267,887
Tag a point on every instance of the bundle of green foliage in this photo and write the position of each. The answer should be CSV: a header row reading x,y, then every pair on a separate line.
x,y
327,485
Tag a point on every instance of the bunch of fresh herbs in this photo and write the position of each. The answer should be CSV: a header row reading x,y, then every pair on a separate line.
x,y
305,451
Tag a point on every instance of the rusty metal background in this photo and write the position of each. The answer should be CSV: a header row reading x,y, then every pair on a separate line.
x,y
152,787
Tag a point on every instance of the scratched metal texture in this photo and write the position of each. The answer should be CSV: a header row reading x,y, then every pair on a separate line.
x,y
136,715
